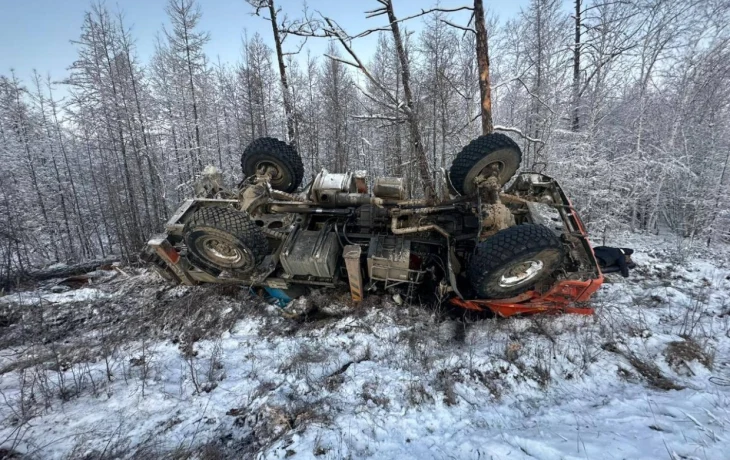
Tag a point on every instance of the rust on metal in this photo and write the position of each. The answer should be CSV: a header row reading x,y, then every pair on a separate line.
x,y
494,215
164,249
351,254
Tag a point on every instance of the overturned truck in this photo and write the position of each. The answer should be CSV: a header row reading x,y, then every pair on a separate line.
x,y
481,246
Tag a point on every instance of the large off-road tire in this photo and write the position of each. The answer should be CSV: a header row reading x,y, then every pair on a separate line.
x,y
514,260
480,156
277,157
224,239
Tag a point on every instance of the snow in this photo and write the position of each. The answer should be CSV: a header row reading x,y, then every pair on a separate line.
x,y
387,381
36,298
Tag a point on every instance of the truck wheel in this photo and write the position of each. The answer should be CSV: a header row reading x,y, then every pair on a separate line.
x,y
276,157
485,154
224,239
514,260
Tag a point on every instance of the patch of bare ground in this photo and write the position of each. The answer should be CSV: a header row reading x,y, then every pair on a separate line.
x,y
82,331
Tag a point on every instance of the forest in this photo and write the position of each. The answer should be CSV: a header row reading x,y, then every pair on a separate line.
x,y
627,102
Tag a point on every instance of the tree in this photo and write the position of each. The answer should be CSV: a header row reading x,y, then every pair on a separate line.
x,y
338,101
483,61
185,46
280,34
627,103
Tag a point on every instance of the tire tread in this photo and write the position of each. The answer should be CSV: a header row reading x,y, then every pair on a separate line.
x,y
235,222
279,149
474,152
505,245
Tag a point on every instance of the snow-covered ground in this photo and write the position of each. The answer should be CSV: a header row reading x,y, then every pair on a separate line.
x,y
129,366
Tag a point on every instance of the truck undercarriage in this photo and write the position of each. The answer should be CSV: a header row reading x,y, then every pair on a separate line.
x,y
481,246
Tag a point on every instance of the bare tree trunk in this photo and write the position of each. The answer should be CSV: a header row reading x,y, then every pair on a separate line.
x,y
101,207
485,89
399,163
195,104
67,243
575,126
24,135
155,179
83,239
718,198
429,190
288,109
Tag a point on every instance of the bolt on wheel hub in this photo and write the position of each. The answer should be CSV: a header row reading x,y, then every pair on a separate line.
x,y
221,252
521,273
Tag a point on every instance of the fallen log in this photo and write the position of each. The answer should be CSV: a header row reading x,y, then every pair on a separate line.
x,y
60,271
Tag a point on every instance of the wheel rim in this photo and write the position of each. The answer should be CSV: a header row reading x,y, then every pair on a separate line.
x,y
222,253
496,164
521,273
493,168
271,168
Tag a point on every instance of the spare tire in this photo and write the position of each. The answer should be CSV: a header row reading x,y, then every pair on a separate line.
x,y
281,160
514,260
493,150
224,239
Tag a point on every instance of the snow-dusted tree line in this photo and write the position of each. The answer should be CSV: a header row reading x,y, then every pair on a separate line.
x,y
626,101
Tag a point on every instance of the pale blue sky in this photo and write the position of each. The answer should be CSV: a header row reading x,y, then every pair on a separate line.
x,y
37,34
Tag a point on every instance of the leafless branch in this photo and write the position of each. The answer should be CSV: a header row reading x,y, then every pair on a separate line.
x,y
299,48
519,133
537,98
380,117
344,61
336,31
453,86
458,131
383,10
370,31
376,100
465,29
379,11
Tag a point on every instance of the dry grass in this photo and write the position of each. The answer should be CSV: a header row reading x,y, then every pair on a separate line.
x,y
681,352
646,369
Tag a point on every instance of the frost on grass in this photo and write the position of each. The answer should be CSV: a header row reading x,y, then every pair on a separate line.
x,y
142,369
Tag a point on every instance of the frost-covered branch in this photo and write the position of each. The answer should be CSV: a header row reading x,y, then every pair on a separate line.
x,y
519,133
